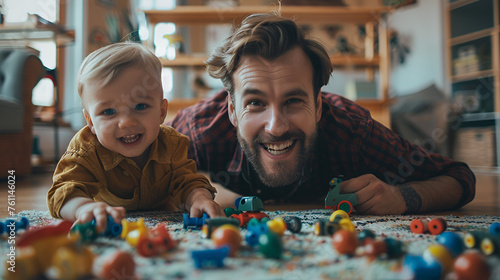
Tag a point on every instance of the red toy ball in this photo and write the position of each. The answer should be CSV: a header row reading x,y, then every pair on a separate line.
x,y
345,241
472,265
227,235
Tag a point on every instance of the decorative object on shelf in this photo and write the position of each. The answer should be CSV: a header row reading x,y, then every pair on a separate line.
x,y
397,48
398,3
313,2
344,47
175,45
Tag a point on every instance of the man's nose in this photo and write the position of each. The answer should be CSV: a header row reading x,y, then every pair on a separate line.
x,y
277,123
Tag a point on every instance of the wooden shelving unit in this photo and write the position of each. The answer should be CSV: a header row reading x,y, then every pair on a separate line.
x,y
473,69
369,17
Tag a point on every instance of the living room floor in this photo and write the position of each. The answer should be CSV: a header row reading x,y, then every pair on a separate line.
x,y
31,191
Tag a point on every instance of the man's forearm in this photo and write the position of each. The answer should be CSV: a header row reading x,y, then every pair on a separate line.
x,y
436,194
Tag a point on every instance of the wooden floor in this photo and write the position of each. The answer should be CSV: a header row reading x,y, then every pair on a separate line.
x,y
31,193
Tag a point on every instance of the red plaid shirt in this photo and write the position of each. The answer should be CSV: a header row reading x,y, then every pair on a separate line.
x,y
350,143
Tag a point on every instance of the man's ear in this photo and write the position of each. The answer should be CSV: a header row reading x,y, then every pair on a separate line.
x,y
163,108
319,107
230,111
90,124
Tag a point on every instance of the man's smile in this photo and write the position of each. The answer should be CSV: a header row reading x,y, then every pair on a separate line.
x,y
277,149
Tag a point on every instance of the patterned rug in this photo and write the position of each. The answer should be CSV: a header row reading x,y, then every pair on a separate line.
x,y
306,256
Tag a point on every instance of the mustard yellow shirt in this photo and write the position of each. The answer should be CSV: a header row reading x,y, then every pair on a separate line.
x,y
88,169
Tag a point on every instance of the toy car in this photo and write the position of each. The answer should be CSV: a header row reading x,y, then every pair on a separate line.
x,y
193,221
244,218
249,203
335,200
245,204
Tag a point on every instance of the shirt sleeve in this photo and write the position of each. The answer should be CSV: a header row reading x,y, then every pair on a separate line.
x,y
185,178
74,177
397,161
182,123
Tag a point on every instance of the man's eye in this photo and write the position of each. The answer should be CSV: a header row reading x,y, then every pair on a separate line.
x,y
293,100
141,106
255,103
108,112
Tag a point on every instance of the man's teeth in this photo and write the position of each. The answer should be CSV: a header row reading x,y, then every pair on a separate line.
x,y
278,149
130,138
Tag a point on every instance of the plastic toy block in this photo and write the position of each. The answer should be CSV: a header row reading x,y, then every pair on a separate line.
x,y
130,226
87,232
270,245
210,257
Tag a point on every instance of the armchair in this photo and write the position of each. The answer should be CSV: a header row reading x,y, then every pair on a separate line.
x,y
20,71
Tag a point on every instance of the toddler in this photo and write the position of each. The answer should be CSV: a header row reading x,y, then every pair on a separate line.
x,y
124,159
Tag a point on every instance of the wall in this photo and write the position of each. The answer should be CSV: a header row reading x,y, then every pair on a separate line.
x,y
420,26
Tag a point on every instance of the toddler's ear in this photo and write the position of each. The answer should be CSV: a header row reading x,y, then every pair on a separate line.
x,y
163,108
90,124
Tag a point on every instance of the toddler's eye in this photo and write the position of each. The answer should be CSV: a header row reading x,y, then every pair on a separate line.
x,y
108,112
141,106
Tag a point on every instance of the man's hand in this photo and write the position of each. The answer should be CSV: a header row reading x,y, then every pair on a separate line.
x,y
374,196
200,201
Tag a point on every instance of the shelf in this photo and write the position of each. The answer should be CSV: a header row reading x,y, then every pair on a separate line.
x,y
184,60
349,60
471,76
480,116
338,60
30,31
472,36
207,14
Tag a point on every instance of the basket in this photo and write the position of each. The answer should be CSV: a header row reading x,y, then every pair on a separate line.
x,y
475,146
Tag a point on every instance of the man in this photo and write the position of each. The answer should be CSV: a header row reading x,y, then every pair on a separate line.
x,y
272,132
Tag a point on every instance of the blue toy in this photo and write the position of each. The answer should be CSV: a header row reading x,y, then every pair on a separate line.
x,y
452,241
112,229
255,229
210,257
421,269
195,222
495,229
13,225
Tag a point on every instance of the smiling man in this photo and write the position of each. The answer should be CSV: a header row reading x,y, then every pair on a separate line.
x,y
272,132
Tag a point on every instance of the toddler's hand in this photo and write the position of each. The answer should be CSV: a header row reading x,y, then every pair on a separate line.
x,y
200,201
99,211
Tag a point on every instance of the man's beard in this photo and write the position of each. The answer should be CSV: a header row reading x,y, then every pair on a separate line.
x,y
284,174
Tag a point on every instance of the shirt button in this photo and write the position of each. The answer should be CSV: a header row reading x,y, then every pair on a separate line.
x,y
125,172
